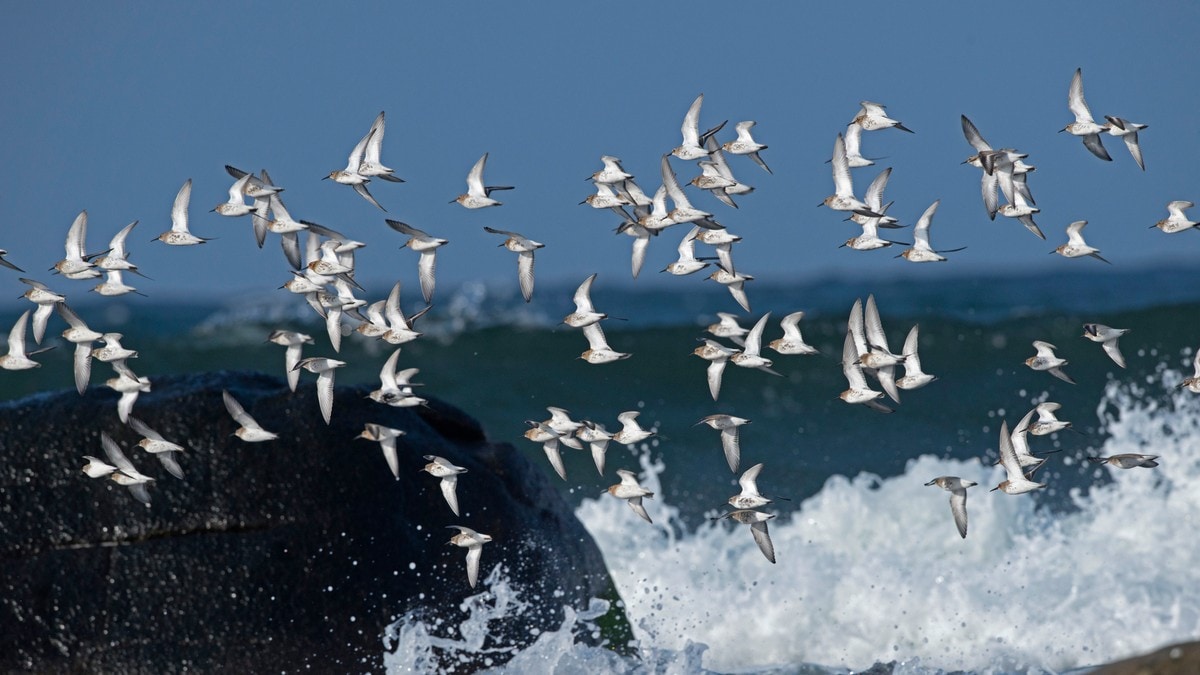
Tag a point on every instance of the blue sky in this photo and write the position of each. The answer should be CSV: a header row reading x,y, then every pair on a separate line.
x,y
111,111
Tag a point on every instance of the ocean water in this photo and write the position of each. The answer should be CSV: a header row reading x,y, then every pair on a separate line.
x,y
1099,566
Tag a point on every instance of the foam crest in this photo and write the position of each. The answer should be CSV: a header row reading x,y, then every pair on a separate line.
x,y
873,569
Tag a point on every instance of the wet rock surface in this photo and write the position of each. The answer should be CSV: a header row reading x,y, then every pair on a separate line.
x,y
287,555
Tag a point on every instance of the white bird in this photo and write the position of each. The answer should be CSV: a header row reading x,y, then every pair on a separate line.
x,y
632,492
735,282
877,355
746,145
442,468
843,198
16,358
1076,246
792,341
478,195
735,187
125,473
154,443
524,249
687,263
427,246
400,328
612,173
1192,383
757,520
236,205
1020,443
853,142
717,355
350,175
1107,337
249,431
46,300
585,313
606,198
179,235
97,468
750,355
561,423
77,262
641,242
78,334
386,438
728,426
631,432
682,211
1023,212
1128,132
473,542
727,326
395,388
371,165
1048,422
858,391
597,438
1016,482
1045,359
294,342
693,143
1127,461
598,350
129,385
548,438
873,117
117,256
112,350
957,487
114,284
722,240
324,369
914,377
1084,126
921,250
749,497
1176,221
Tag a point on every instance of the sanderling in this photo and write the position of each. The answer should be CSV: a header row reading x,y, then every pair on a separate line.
x,y
873,117
448,472
1107,337
728,426
957,488
792,342
1076,246
294,342
843,198
914,377
687,263
395,388
598,350
632,492
46,300
1045,359
76,264
1047,422
79,334
1192,383
386,438
249,431
597,438
371,165
693,142
125,473
585,313
1084,126
1176,221
858,391
746,145
612,173
324,369
1127,461
921,251
757,520
473,542
717,355
631,432
153,442
524,249
749,497
1128,132
1016,481
179,235
17,358
478,195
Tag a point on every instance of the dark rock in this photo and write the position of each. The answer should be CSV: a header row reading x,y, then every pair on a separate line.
x,y
1180,659
279,556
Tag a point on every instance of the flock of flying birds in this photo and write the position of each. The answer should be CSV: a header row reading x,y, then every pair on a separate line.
x,y
323,273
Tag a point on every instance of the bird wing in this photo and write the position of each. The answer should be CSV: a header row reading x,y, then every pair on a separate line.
x,y
583,299
1075,102
691,123
973,136
179,216
958,506
449,487
733,453
763,539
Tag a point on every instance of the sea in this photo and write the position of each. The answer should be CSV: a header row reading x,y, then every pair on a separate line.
x,y
1098,566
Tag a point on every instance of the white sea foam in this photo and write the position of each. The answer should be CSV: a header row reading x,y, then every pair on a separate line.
x,y
872,569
